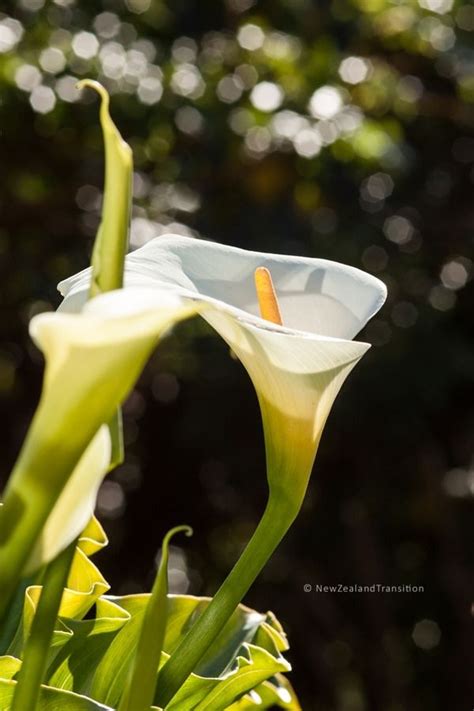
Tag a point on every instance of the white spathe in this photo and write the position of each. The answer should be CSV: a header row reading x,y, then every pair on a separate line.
x,y
76,503
298,368
315,295
93,359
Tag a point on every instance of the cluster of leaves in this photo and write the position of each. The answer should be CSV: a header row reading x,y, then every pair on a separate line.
x,y
96,635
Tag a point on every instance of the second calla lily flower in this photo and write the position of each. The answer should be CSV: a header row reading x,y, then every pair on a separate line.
x,y
92,361
297,368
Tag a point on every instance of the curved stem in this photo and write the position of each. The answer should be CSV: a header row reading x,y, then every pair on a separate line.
x,y
9,628
35,658
273,525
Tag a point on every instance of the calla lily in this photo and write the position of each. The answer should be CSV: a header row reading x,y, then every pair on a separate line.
x,y
297,369
92,361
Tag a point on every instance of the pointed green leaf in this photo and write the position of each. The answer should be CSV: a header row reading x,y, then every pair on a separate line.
x,y
111,242
140,688
112,672
76,663
51,699
112,239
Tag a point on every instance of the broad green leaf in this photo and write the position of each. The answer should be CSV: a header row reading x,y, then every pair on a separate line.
x,y
249,671
85,586
76,663
51,699
241,628
92,538
9,666
276,692
112,671
272,630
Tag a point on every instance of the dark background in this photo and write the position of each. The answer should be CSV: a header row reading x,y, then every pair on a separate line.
x,y
389,498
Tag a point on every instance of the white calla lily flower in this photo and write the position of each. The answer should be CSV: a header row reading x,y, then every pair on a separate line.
x,y
297,369
93,359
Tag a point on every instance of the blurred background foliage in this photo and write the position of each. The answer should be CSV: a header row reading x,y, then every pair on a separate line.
x,y
341,130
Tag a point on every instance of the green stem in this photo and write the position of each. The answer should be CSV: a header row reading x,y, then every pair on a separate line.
x,y
273,525
35,657
9,628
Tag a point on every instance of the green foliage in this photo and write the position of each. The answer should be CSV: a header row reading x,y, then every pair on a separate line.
x,y
101,651
91,658
51,699
84,589
111,243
